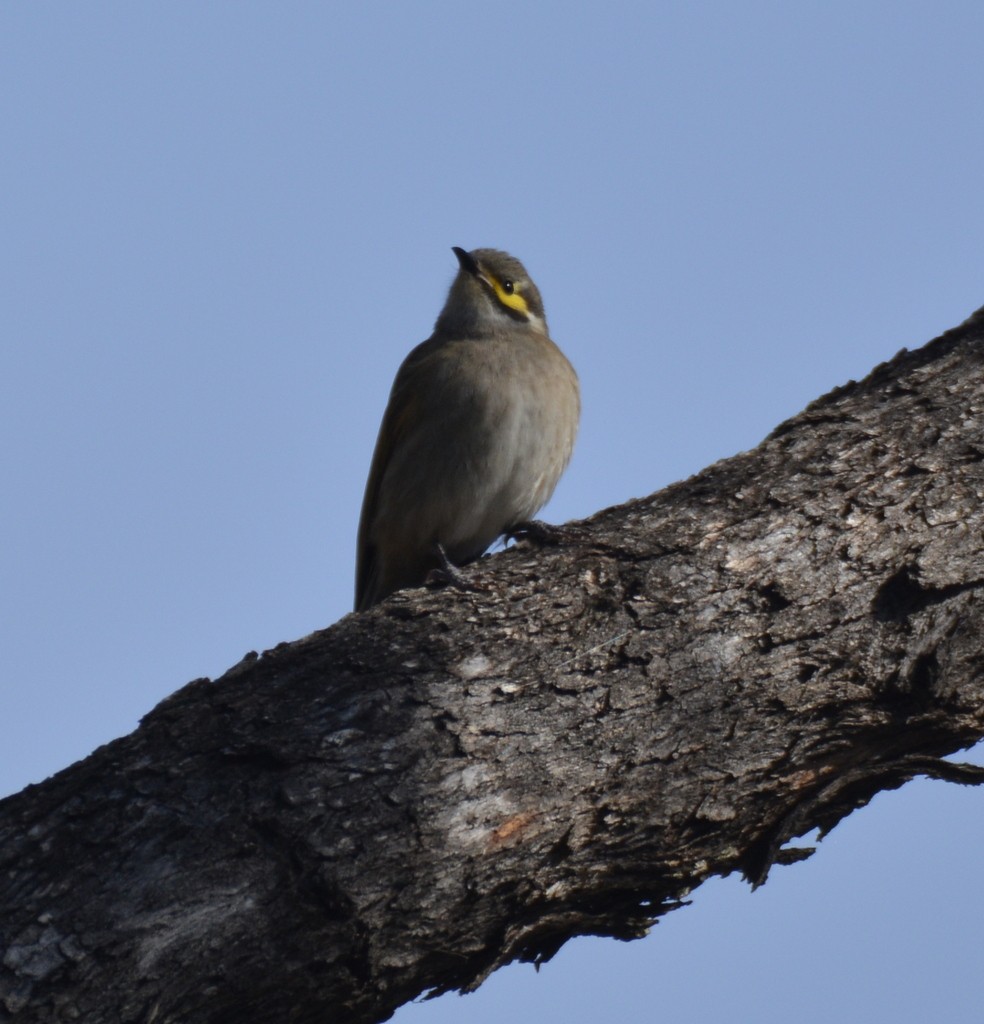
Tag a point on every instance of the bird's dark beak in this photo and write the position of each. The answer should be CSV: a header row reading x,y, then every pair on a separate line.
x,y
467,262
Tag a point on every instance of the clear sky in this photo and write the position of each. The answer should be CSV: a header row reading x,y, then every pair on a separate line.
x,y
224,224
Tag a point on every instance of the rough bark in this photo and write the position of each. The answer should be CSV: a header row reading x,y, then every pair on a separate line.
x,y
417,795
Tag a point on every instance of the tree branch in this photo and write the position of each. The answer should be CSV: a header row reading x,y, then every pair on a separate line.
x,y
411,798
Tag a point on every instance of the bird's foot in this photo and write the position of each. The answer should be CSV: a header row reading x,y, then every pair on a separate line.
x,y
538,532
447,574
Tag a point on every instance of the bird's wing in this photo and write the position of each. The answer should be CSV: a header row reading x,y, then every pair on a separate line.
x,y
402,412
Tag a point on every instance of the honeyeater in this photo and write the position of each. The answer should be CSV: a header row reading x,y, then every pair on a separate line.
x,y
479,426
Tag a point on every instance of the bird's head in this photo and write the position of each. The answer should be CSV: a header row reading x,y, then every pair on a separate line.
x,y
491,293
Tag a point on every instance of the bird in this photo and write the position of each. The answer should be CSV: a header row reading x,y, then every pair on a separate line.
x,y
479,427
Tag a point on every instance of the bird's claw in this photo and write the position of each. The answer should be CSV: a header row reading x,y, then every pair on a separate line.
x,y
539,532
447,574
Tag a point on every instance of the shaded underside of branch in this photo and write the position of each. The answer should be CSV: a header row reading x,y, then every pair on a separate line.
x,y
455,780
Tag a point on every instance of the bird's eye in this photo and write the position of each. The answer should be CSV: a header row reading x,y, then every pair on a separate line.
x,y
507,287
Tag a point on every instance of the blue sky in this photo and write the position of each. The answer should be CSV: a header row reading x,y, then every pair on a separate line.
x,y
225,224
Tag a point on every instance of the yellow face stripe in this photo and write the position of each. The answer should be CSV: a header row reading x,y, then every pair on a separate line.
x,y
514,301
